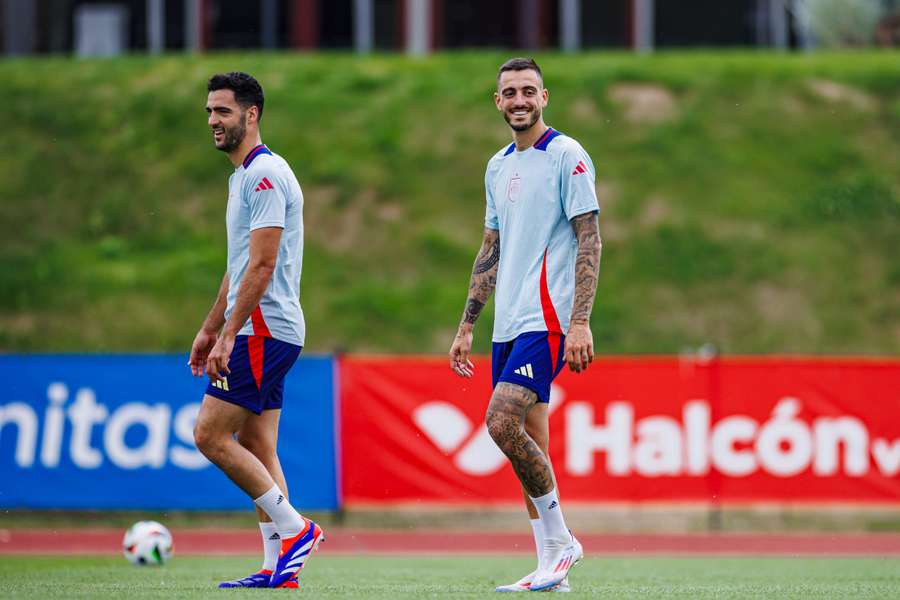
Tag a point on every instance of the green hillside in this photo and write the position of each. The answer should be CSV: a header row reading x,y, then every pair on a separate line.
x,y
749,200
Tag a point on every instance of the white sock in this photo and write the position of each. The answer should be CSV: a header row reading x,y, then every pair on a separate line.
x,y
551,517
538,530
288,521
271,545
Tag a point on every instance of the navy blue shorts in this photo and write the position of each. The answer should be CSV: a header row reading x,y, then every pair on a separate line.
x,y
258,365
532,360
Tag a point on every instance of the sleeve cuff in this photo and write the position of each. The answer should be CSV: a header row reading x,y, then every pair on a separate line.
x,y
583,210
263,224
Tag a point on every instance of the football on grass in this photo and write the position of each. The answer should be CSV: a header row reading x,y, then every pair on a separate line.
x,y
147,543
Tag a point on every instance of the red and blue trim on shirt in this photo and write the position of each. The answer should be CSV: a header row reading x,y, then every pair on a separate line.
x,y
261,149
545,139
551,320
541,144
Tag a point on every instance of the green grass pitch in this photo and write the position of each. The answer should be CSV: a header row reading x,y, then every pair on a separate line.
x,y
382,577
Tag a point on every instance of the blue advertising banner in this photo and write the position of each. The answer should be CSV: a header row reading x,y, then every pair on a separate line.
x,y
116,432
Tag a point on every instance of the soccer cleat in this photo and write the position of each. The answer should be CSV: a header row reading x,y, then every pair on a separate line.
x,y
294,553
560,558
562,587
524,585
257,580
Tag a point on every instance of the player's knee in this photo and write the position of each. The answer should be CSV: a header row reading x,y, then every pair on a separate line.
x,y
502,428
206,439
495,429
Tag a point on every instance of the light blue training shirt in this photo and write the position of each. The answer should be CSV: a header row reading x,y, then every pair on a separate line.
x,y
263,192
532,195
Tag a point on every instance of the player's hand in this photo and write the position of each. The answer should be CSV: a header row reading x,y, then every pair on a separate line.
x,y
203,343
579,351
459,352
217,362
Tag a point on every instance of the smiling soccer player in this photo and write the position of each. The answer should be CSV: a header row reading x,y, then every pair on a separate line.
x,y
255,330
541,250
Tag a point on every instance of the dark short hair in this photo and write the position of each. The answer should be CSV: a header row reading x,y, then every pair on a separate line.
x,y
247,91
520,64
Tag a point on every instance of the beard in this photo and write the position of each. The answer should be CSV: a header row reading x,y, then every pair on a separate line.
x,y
233,136
534,116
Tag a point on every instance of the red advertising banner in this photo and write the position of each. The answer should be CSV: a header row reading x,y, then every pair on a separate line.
x,y
730,430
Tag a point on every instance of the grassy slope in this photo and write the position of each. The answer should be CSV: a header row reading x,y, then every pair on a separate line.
x,y
761,213
459,577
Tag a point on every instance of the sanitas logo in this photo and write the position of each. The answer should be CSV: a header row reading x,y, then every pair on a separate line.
x,y
84,415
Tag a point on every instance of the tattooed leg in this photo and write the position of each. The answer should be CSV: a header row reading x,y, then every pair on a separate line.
x,y
506,424
537,427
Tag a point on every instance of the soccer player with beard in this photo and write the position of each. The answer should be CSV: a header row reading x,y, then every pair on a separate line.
x,y
541,250
255,330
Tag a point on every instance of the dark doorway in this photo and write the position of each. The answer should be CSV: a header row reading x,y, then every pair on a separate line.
x,y
474,23
705,23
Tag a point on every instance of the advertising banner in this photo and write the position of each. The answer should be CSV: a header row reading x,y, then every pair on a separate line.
x,y
737,430
116,432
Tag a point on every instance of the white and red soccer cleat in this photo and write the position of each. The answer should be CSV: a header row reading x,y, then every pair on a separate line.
x,y
559,558
524,585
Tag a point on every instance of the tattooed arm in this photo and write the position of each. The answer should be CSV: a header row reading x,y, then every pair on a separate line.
x,y
579,351
481,286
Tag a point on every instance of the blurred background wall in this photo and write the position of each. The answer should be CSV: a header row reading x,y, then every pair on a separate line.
x,y
108,27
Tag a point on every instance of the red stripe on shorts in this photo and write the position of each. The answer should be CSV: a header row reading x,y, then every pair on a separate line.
x,y
256,346
553,339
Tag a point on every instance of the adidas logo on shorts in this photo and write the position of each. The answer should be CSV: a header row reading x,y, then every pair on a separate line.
x,y
525,371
